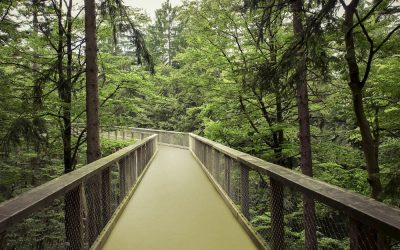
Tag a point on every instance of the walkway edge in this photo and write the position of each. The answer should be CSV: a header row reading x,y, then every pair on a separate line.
x,y
105,233
254,236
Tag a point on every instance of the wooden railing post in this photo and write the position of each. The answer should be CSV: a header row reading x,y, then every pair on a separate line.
x,y
122,178
277,219
106,194
139,161
202,152
244,190
116,134
228,166
146,151
123,134
3,240
134,167
216,165
207,156
131,169
364,237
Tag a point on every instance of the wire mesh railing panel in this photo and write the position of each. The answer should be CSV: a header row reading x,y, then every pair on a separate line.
x,y
332,227
292,211
71,211
165,137
258,197
93,208
368,237
116,198
41,230
235,174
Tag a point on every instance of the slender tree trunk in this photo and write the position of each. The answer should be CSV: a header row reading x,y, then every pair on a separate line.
x,y
64,91
66,95
37,87
356,86
304,126
92,92
72,199
92,121
37,91
277,135
360,234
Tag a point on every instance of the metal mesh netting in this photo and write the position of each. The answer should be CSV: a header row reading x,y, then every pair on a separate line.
x,y
75,220
278,212
42,230
167,137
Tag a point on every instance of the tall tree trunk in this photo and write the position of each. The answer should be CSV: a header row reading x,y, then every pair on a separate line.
x,y
277,134
72,199
356,86
64,91
37,88
360,234
304,125
92,91
65,88
92,121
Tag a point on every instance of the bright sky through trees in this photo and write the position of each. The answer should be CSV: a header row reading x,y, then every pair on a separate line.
x,y
150,5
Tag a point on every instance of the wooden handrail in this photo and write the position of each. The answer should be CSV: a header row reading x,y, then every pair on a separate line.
x,y
233,153
156,130
364,209
22,206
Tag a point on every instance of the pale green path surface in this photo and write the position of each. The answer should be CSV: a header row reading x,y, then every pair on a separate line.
x,y
176,207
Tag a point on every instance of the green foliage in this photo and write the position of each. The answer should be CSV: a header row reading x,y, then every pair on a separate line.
x,y
109,146
220,72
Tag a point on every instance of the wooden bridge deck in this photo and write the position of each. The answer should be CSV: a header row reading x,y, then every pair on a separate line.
x,y
176,207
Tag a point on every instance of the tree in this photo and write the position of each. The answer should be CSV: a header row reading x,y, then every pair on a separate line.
x,y
92,89
165,38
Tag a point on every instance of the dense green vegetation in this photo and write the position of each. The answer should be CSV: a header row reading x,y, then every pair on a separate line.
x,y
232,71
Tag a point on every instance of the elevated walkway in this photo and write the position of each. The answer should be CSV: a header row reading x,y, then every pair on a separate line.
x,y
197,194
176,207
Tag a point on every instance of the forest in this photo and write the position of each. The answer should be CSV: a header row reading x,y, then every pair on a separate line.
x,y
309,85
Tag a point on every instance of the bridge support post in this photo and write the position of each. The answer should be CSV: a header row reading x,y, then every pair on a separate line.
x,y
228,166
131,169
3,240
365,238
244,190
277,216
206,155
139,161
217,166
106,194
73,214
122,178
134,167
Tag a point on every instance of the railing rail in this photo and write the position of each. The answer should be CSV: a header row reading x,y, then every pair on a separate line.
x,y
165,137
124,132
89,196
341,215
365,215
